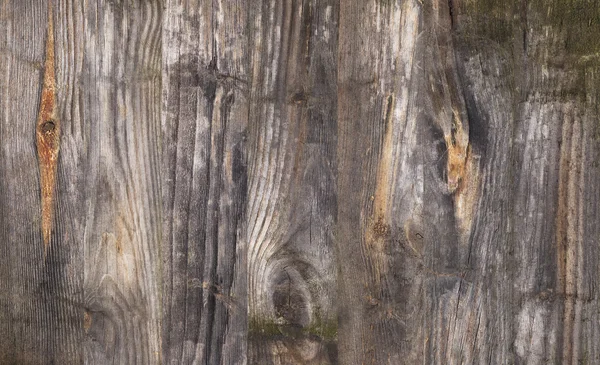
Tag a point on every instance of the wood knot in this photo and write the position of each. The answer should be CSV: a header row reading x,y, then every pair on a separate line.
x,y
299,98
381,229
48,126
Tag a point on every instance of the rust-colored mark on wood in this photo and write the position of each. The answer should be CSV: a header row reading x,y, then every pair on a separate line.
x,y
463,176
48,136
381,230
385,170
466,195
457,144
377,237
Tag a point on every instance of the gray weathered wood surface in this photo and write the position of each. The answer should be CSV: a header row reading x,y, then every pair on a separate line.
x,y
303,182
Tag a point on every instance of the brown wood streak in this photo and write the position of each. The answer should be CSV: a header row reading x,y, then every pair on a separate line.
x,y
48,136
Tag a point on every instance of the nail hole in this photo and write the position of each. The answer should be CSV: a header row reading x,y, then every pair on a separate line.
x,y
48,126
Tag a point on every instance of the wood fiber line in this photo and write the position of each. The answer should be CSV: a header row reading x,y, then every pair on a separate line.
x,y
587,333
569,228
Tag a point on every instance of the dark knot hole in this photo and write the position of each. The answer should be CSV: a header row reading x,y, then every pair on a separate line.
x,y
48,126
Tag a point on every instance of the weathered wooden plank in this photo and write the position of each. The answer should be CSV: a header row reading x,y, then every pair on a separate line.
x,y
41,297
291,193
532,97
497,265
95,297
383,142
374,182
205,113
109,74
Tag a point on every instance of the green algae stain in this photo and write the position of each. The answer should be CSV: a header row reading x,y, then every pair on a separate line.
x,y
488,20
579,20
324,329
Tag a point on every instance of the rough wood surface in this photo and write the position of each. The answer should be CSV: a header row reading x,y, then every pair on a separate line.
x,y
96,296
300,182
205,122
291,192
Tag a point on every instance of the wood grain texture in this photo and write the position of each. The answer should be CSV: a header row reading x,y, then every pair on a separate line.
x,y
205,118
498,269
380,230
291,192
41,299
117,135
302,182
95,298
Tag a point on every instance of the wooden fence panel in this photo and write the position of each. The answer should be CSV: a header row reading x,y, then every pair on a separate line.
x,y
299,182
115,144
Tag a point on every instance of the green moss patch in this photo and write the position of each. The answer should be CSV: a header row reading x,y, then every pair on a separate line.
x,y
326,330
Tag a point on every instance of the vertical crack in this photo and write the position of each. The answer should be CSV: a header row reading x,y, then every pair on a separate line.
x,y
451,11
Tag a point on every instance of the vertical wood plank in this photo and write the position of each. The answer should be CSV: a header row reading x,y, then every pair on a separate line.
x,y
451,301
205,113
291,194
533,101
382,151
109,91
41,297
